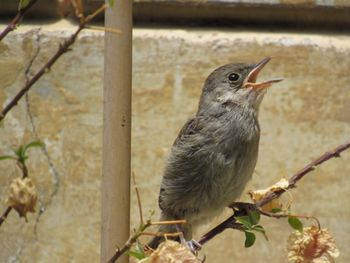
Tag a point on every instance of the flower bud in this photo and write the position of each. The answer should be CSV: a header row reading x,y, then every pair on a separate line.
x,y
22,196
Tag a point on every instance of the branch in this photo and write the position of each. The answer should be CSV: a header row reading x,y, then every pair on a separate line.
x,y
24,169
17,19
307,169
231,221
228,223
140,231
129,243
5,214
63,48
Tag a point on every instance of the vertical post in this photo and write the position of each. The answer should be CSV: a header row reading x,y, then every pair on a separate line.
x,y
116,130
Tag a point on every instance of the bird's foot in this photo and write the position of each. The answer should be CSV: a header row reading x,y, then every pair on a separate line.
x,y
193,245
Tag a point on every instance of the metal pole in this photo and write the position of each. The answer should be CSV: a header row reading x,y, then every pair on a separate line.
x,y
117,130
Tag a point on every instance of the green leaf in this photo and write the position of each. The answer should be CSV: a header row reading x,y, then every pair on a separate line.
x,y
21,150
261,229
245,221
140,250
20,154
295,223
33,144
254,217
136,254
6,157
249,239
276,210
23,4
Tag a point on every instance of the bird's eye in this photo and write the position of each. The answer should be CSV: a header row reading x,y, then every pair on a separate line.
x,y
233,77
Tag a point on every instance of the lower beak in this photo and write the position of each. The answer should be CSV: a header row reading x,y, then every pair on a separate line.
x,y
250,81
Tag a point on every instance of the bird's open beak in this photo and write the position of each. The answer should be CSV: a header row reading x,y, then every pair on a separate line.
x,y
250,81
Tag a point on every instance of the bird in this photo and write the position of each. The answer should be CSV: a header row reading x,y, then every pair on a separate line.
x,y
215,153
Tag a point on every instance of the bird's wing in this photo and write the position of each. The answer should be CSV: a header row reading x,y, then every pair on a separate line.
x,y
192,126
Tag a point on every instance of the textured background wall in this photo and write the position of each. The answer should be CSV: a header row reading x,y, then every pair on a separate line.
x,y
305,115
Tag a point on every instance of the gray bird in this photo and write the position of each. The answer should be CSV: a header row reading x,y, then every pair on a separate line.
x,y
215,153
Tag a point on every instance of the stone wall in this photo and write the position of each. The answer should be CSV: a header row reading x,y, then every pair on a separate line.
x,y
302,117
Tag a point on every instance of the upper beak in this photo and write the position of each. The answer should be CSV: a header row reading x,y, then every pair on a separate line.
x,y
250,80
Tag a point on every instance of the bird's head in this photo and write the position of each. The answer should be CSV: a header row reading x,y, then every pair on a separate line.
x,y
237,84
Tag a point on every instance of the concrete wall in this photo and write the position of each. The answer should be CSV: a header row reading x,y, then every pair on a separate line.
x,y
305,115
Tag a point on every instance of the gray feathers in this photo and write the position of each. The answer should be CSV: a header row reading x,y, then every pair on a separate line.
x,y
215,152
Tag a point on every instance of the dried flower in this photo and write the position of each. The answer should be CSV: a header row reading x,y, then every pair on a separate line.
x,y
171,252
22,196
275,203
313,245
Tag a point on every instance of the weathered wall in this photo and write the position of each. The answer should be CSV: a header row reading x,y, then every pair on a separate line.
x,y
305,115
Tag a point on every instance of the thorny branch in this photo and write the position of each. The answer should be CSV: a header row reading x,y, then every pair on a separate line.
x,y
231,221
63,48
308,168
17,19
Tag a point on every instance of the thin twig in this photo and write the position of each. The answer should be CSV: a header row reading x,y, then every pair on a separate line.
x,y
5,214
140,232
307,169
231,221
95,13
281,215
104,29
170,222
129,243
161,234
17,19
274,215
228,223
24,169
138,199
63,48
142,228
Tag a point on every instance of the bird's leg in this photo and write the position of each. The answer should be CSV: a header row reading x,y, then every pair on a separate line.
x,y
181,236
192,244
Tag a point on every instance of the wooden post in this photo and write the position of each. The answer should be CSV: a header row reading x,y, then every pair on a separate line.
x,y
117,130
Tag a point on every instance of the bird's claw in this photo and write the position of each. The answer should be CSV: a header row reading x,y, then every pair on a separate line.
x,y
193,245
